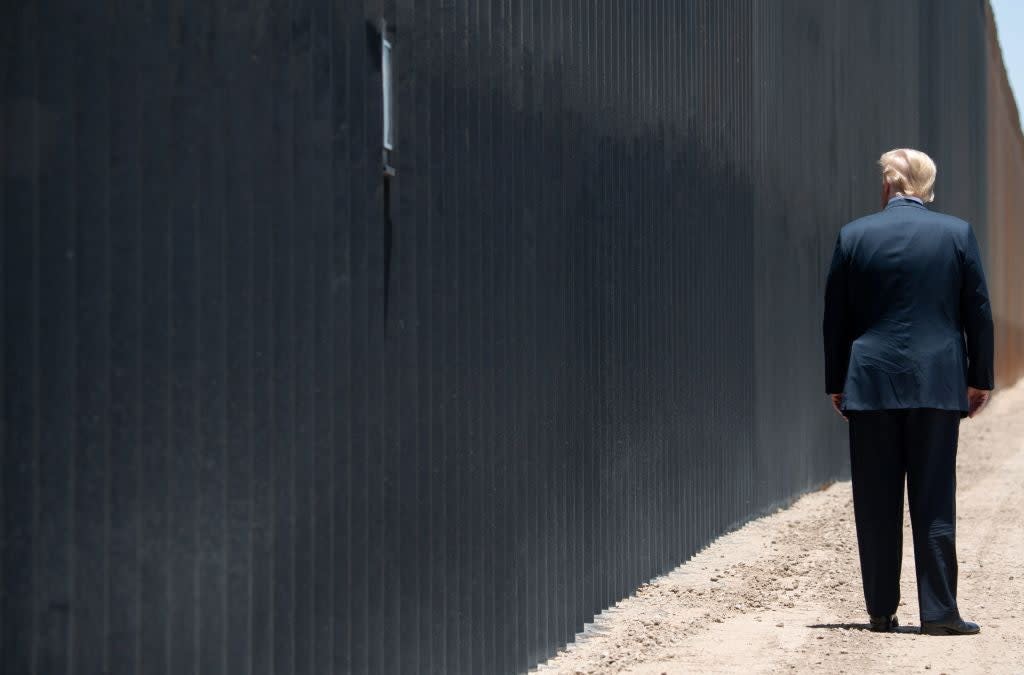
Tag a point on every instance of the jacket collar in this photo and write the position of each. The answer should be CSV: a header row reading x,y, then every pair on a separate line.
x,y
900,200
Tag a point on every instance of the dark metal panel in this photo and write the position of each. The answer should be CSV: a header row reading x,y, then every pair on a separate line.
x,y
126,497
433,49
241,332
6,58
324,574
304,362
267,24
343,46
471,255
55,433
367,327
187,123
509,492
6,76
410,449
19,449
87,490
211,312
155,226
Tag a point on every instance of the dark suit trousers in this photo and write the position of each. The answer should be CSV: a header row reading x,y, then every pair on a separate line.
x,y
918,444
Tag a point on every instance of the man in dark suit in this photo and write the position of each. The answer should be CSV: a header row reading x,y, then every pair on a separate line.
x,y
908,354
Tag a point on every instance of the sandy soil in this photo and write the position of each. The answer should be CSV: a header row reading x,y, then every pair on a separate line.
x,y
783,593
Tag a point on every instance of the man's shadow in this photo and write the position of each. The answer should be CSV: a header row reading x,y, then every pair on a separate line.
x,y
909,630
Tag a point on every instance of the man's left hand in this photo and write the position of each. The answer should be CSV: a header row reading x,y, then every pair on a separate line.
x,y
837,402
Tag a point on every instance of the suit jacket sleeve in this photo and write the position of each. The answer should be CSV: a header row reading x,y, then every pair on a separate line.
x,y
836,322
976,315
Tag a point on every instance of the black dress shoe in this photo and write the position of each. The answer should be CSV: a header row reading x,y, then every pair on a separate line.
x,y
883,624
955,626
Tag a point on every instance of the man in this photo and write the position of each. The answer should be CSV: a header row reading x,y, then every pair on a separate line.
x,y
908,354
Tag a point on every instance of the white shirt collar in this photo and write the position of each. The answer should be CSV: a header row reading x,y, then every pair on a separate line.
x,y
910,197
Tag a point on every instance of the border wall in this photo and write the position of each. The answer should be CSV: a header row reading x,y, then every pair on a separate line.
x,y
266,409
1005,251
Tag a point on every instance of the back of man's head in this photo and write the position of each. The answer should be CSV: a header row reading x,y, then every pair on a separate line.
x,y
909,172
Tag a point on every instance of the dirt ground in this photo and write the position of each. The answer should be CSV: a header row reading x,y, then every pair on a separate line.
x,y
783,594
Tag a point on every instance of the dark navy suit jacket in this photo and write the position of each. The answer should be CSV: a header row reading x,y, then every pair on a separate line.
x,y
907,319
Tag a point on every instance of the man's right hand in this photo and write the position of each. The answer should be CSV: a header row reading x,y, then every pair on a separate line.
x,y
976,400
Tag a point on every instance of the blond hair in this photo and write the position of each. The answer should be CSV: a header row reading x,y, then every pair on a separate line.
x,y
909,172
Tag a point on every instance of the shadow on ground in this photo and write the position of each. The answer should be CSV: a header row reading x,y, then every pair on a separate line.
x,y
911,630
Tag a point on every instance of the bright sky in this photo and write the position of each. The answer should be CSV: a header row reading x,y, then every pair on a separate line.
x,y
1010,26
